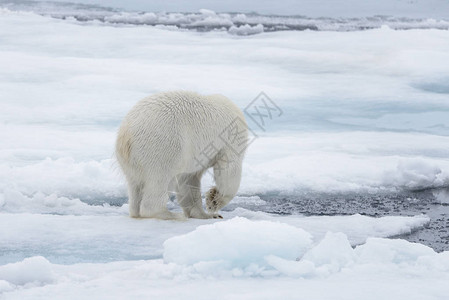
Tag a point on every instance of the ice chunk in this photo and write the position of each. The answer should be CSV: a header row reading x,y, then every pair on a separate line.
x,y
129,18
246,29
36,270
377,250
304,268
332,253
239,242
212,21
419,174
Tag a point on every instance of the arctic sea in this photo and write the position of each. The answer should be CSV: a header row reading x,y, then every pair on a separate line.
x,y
344,192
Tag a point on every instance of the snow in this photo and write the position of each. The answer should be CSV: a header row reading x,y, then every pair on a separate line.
x,y
32,270
361,112
82,237
353,116
331,262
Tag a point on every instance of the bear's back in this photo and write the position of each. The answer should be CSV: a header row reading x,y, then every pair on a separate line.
x,y
186,123
186,110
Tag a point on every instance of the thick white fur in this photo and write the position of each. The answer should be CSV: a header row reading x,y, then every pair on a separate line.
x,y
160,147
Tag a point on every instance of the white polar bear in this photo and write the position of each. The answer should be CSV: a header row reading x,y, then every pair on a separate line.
x,y
168,140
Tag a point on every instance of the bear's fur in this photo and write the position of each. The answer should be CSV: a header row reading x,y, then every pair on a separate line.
x,y
168,140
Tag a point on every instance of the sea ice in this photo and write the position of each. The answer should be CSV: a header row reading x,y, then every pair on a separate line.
x,y
411,270
362,112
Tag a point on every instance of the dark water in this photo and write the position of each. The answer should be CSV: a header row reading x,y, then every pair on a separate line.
x,y
433,203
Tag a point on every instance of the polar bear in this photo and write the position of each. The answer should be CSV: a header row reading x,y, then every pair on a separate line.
x,y
166,143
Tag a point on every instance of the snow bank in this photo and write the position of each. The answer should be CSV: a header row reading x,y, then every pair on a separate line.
x,y
344,162
238,242
89,180
16,202
418,174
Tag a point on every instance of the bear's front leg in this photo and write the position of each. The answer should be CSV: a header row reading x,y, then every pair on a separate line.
x,y
212,199
188,194
227,175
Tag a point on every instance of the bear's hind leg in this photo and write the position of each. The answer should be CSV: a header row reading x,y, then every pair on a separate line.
x,y
188,194
135,198
154,202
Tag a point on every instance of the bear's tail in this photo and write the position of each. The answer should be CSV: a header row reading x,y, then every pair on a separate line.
x,y
123,144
